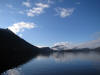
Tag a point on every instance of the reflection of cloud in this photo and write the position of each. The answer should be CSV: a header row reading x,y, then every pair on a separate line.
x,y
37,10
64,12
20,26
70,57
13,72
41,57
63,57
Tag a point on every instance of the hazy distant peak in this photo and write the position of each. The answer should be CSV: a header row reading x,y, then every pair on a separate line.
x,y
65,46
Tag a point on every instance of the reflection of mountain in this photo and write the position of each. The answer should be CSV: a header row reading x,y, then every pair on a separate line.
x,y
14,50
97,49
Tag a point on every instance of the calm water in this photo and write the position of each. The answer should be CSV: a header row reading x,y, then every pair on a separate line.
x,y
60,64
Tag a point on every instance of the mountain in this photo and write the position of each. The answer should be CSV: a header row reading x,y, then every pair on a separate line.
x,y
46,50
14,50
97,49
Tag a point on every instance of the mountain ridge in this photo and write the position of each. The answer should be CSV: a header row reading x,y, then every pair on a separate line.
x,y
14,50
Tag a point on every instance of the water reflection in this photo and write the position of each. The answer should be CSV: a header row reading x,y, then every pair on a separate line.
x,y
70,56
73,56
9,61
61,63
13,72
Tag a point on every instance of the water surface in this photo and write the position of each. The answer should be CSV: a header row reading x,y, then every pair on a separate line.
x,y
64,63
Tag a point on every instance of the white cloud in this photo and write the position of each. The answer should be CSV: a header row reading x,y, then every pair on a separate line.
x,y
9,6
21,12
54,1
20,35
50,1
61,43
20,26
64,12
41,46
96,35
37,10
27,4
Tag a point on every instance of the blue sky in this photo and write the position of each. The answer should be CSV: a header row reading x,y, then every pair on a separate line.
x,y
45,22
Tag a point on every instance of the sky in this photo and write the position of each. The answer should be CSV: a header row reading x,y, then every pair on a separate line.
x,y
46,22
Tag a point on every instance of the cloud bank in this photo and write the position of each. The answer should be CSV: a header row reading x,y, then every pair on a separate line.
x,y
66,45
91,44
20,26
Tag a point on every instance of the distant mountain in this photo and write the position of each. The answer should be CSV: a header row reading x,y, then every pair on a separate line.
x,y
14,50
45,49
97,49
